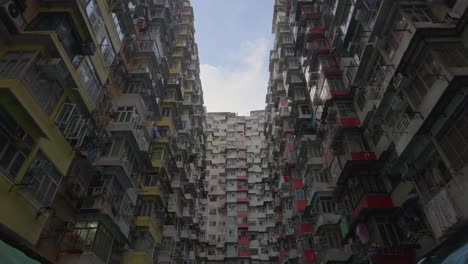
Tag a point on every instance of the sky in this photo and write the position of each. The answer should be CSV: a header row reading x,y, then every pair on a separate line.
x,y
234,41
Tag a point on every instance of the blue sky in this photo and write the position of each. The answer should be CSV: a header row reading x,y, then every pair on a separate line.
x,y
234,40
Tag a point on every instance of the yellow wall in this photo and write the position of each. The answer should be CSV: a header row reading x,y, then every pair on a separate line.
x,y
136,258
19,212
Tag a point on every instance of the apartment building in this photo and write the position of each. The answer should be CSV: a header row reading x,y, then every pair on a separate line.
x,y
102,143
238,210
366,130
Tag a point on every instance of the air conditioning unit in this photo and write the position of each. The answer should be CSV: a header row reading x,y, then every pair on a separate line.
x,y
54,68
88,48
11,14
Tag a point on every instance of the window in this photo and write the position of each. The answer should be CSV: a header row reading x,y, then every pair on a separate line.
x,y
167,244
334,84
212,223
326,61
124,114
387,230
300,195
327,205
254,251
427,74
345,109
44,179
419,13
212,211
134,87
453,54
166,112
151,180
211,251
157,154
12,156
321,43
213,198
331,238
454,142
117,25
99,28
305,110
22,65
146,208
89,81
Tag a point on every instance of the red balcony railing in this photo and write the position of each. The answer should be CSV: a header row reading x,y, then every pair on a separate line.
x,y
302,229
297,184
309,256
243,213
242,199
242,188
241,178
243,225
372,201
347,153
243,240
300,205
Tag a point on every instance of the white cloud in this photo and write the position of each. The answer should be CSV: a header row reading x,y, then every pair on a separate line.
x,y
241,86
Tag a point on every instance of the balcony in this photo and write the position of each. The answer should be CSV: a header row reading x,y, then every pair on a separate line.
x,y
442,209
149,47
300,205
309,256
348,153
243,225
279,219
341,115
242,213
306,11
129,121
371,201
242,200
315,31
242,188
303,229
243,240
331,86
334,255
120,166
326,219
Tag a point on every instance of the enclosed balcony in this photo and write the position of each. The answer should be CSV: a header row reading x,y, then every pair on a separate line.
x,y
129,119
149,47
349,152
121,159
366,195
317,47
331,86
293,79
304,228
315,30
35,80
307,10
90,242
340,115
108,197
